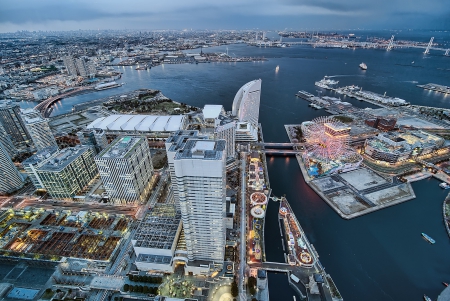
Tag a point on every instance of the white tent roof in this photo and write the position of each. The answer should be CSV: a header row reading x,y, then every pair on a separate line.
x,y
141,123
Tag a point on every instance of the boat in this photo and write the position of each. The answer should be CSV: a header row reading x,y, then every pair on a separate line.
x,y
104,86
143,67
304,94
445,283
363,66
444,185
426,298
428,238
326,83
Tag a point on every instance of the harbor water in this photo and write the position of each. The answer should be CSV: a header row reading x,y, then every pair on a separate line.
x,y
380,256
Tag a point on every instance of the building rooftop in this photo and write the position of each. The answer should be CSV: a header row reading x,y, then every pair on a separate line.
x,y
201,149
60,160
337,126
212,111
40,156
159,228
139,123
120,147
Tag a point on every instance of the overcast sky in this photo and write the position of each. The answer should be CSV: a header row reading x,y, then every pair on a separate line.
x,y
225,14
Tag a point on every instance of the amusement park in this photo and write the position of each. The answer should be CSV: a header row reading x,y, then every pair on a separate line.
x,y
327,147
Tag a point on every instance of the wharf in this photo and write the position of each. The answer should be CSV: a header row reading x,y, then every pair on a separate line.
x,y
356,192
435,87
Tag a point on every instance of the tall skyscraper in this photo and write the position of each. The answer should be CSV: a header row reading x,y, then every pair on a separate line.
x,y
7,143
38,129
10,178
222,126
126,169
78,67
246,102
66,173
69,63
93,137
200,176
175,143
14,126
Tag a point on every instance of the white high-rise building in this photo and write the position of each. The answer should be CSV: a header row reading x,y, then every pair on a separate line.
x,y
39,129
201,183
126,169
175,143
10,178
226,130
69,63
246,102
224,127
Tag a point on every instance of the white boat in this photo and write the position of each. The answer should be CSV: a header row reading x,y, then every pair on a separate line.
x,y
363,66
104,86
444,185
426,298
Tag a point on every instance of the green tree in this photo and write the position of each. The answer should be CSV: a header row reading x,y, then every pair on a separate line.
x,y
234,289
126,287
251,281
252,290
130,276
145,290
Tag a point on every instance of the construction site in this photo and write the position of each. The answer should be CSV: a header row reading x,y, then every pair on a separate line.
x,y
52,235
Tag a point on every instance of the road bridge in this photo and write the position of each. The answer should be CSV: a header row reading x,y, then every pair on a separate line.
x,y
46,104
283,152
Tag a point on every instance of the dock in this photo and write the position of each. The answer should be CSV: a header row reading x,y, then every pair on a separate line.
x,y
436,87
356,192
446,213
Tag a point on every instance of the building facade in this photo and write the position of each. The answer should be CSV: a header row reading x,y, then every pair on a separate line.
x,y
66,173
246,102
34,162
126,169
10,178
93,137
200,176
174,144
14,126
38,129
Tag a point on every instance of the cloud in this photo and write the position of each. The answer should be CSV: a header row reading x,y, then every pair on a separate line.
x,y
144,14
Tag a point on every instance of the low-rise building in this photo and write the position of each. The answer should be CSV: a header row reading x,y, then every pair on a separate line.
x,y
156,239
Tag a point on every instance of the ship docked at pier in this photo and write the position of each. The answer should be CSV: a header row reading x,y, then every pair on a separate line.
x,y
110,85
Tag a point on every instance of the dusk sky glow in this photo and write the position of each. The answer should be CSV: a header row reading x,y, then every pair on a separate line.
x,y
230,14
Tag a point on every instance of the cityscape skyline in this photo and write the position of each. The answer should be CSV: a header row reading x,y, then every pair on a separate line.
x,y
251,14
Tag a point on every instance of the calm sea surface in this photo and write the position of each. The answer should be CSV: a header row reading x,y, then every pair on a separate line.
x,y
380,256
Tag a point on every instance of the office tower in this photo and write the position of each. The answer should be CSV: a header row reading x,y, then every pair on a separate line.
x,y
126,169
246,102
175,143
34,162
200,177
38,129
69,63
84,69
10,178
93,137
14,126
226,130
67,172
7,143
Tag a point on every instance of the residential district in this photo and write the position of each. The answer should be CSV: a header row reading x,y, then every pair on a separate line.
x,y
139,197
